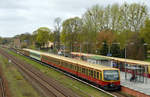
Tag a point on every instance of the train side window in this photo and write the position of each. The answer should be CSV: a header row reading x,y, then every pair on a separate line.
x,y
86,71
97,75
73,67
79,69
94,74
91,73
66,65
62,63
100,75
82,70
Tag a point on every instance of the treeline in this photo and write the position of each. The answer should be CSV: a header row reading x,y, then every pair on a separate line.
x,y
101,30
110,29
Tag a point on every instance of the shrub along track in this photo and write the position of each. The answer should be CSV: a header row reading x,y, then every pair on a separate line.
x,y
46,86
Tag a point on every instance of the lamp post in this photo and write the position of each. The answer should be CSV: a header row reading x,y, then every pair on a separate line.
x,y
125,62
146,68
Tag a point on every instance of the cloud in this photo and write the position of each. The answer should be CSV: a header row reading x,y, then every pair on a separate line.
x,y
20,16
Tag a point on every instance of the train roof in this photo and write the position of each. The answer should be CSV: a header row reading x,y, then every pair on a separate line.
x,y
130,61
75,61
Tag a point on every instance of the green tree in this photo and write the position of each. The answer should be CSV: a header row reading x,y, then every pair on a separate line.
x,y
145,31
57,30
92,24
43,36
70,32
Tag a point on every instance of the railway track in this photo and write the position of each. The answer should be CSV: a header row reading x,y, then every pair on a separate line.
x,y
2,92
48,87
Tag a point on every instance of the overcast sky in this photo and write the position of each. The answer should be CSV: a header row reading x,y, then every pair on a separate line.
x,y
20,16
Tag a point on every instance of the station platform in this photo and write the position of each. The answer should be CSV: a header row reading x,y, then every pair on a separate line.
x,y
143,87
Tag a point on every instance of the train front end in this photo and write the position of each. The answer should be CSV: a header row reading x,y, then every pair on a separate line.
x,y
111,79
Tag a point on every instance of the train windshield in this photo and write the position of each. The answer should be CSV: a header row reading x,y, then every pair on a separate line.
x,y
111,75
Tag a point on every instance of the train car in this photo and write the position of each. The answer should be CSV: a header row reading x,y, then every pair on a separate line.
x,y
120,62
32,53
101,76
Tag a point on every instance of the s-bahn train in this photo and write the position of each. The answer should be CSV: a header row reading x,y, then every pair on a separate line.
x,y
101,76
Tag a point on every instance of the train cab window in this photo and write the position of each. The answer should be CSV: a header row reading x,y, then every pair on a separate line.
x,y
111,75
97,75
94,74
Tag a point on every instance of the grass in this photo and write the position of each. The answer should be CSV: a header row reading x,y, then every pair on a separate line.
x,y
78,87
19,87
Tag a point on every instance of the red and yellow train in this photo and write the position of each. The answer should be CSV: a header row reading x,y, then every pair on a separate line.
x,y
101,76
